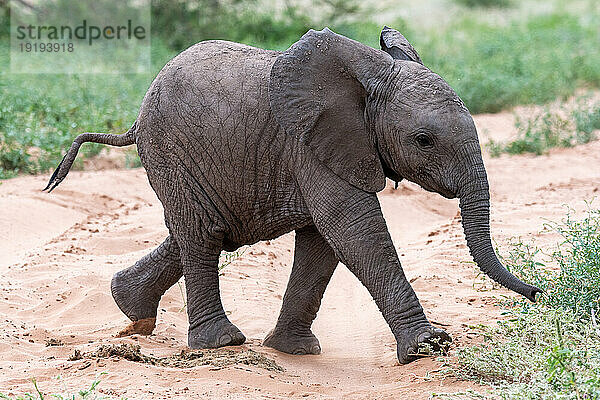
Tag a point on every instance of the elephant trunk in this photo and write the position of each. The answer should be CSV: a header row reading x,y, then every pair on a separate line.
x,y
475,211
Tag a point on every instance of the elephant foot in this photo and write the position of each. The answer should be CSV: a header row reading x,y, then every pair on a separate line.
x,y
292,343
425,340
216,332
134,296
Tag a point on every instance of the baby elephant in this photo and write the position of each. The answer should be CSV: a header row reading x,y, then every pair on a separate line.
x,y
242,144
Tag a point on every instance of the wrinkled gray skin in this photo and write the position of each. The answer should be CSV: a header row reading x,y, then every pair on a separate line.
x,y
243,144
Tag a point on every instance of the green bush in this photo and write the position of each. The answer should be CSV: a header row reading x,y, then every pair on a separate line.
x,y
535,354
540,133
570,274
549,350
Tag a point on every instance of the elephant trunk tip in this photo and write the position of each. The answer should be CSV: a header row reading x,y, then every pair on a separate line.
x,y
530,292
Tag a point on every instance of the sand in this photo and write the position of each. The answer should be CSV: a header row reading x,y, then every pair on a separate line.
x,y
59,251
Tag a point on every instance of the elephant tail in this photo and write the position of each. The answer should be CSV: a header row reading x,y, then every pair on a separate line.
x,y
60,173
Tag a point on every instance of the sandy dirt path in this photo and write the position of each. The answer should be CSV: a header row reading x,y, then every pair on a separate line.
x,y
59,251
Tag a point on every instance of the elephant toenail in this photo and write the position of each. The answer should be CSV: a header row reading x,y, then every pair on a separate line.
x,y
299,352
423,337
316,349
224,340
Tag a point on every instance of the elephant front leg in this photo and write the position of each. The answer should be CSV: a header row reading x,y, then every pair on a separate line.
x,y
314,263
137,290
365,247
209,326
360,236
352,222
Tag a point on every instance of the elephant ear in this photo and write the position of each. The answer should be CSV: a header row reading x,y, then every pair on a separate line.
x,y
316,95
396,45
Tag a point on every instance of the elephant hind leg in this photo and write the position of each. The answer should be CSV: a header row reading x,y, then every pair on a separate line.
x,y
314,263
137,290
209,327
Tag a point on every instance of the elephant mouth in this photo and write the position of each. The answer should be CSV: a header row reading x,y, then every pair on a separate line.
x,y
447,193
389,172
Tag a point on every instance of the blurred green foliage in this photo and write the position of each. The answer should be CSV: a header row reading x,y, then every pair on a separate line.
x,y
534,60
484,3
251,21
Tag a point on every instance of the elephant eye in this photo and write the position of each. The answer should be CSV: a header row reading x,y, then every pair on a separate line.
x,y
423,140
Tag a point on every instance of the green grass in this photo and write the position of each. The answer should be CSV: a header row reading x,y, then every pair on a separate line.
x,y
546,130
90,393
550,350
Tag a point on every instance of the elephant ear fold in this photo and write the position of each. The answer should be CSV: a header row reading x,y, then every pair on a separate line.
x,y
316,95
396,45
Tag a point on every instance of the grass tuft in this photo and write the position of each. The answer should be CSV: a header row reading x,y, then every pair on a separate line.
x,y
90,393
548,129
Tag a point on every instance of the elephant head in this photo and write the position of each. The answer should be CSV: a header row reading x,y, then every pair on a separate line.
x,y
368,114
